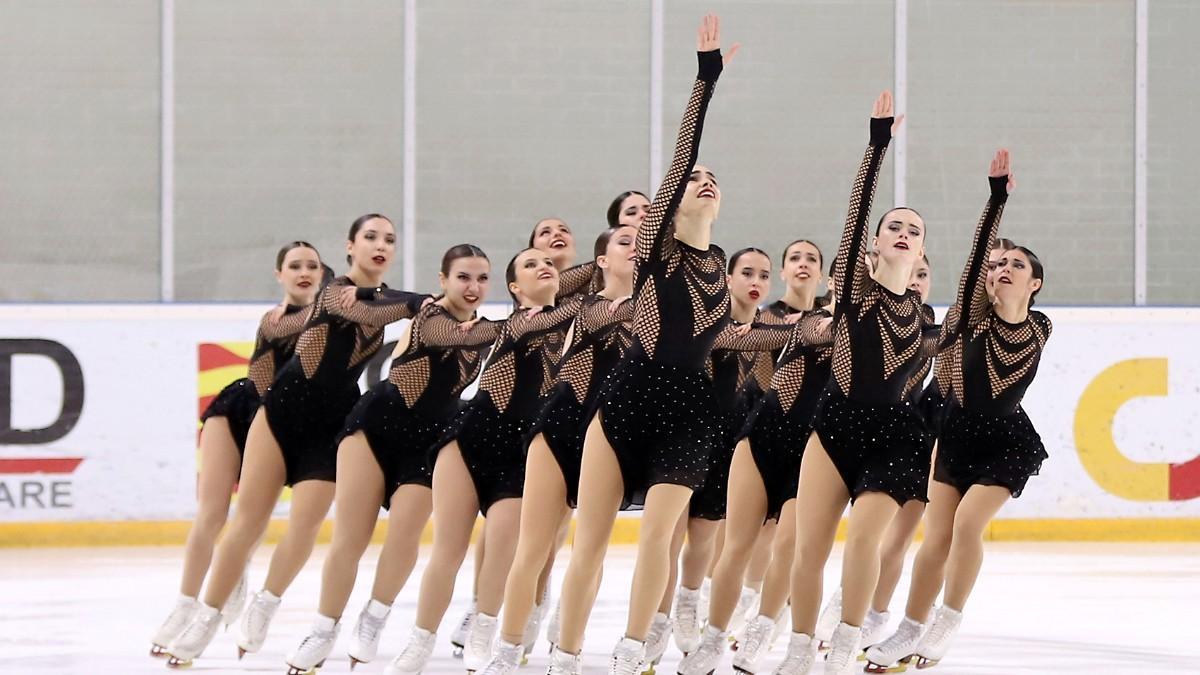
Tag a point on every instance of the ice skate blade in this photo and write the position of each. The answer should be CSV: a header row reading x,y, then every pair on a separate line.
x,y
873,667
923,663
241,653
158,651
822,646
293,670
355,661
457,652
743,671
173,662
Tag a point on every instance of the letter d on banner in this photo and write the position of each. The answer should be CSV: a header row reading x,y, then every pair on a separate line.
x,y
72,381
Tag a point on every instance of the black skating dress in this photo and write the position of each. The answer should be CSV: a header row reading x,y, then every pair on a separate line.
x,y
274,344
493,430
740,368
658,414
307,404
987,439
872,433
779,426
598,340
405,415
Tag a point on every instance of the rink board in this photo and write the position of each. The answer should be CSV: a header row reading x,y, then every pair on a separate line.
x,y
98,409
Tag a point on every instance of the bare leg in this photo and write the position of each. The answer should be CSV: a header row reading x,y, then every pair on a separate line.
x,y
747,508
698,551
310,505
219,466
718,546
668,598
543,510
891,552
975,511
505,517
929,568
359,493
820,500
600,490
480,551
664,504
760,559
263,474
455,506
411,506
869,516
777,585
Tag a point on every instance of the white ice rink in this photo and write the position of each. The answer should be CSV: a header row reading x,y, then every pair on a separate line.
x,y
1038,608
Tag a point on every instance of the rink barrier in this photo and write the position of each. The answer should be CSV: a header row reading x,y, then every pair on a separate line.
x,y
625,532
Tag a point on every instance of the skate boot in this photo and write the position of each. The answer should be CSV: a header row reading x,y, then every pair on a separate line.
x,y
478,650
562,663
533,627
754,643
628,656
256,622
554,626
705,599
874,627
746,610
505,661
941,633
315,648
191,642
708,655
416,653
828,621
893,654
843,650
656,641
232,610
177,621
458,638
800,656
364,641
687,620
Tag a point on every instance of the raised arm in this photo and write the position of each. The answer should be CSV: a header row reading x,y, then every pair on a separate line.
x,y
653,243
852,286
972,301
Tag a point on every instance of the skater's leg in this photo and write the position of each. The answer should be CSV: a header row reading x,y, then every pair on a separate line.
x,y
777,585
929,567
358,493
870,516
698,551
455,505
975,511
892,550
747,508
600,491
477,561
310,505
664,504
760,559
263,475
718,546
219,466
544,504
505,517
820,500
677,537
560,540
411,506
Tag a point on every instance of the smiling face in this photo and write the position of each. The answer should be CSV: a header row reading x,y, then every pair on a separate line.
x,y
900,239
554,237
466,285
533,280
750,278
633,210
300,274
801,268
1014,279
373,246
702,196
919,281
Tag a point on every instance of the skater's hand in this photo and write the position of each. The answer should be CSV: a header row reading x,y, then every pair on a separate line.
x,y
869,259
708,38
466,326
277,313
793,318
346,298
1001,167
429,301
532,312
883,109
742,330
615,304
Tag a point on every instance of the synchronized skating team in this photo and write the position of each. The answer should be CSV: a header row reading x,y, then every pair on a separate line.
x,y
647,378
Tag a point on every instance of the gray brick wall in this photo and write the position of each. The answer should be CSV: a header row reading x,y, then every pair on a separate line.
x,y
79,162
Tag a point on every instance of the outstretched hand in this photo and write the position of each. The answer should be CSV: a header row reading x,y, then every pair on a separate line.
x,y
616,303
708,38
1002,166
884,109
347,298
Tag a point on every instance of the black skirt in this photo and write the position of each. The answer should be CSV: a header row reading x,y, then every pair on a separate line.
x,y
493,446
563,424
979,449
933,407
400,437
711,501
875,448
777,441
238,402
659,420
306,418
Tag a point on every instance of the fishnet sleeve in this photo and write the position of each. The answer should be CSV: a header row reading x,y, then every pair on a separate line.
x,y
762,337
551,319
653,240
575,280
853,287
814,330
387,307
972,299
439,329
288,325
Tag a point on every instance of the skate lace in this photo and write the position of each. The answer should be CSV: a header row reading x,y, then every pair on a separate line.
x,y
939,631
480,639
562,663
415,650
368,628
795,661
179,618
756,635
313,640
626,661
